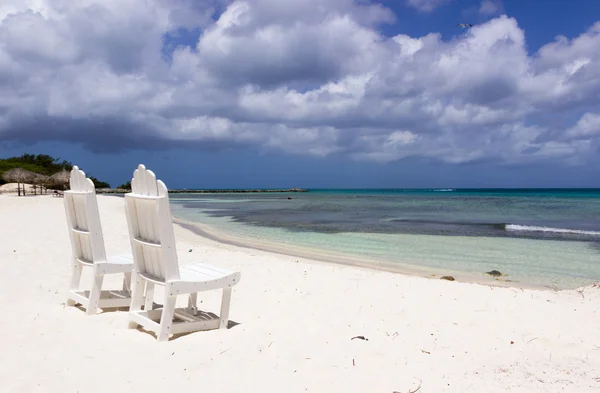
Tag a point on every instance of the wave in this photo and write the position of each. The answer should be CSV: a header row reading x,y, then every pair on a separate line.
x,y
444,190
497,226
527,228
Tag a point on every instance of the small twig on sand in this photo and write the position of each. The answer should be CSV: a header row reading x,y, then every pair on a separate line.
x,y
535,338
424,351
581,293
413,391
225,351
360,338
354,364
416,390
270,344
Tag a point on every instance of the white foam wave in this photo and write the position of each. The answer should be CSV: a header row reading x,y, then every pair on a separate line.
x,y
444,190
527,228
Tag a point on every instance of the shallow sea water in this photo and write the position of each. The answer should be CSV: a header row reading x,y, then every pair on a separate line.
x,y
541,238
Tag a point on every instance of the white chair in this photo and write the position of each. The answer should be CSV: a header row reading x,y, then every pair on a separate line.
x,y
87,246
153,245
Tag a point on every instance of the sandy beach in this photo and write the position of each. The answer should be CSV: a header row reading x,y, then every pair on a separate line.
x,y
294,323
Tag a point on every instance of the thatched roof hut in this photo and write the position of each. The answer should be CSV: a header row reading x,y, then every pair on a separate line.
x,y
39,179
20,175
60,179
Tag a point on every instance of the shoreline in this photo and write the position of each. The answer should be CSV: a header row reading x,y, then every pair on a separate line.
x,y
211,233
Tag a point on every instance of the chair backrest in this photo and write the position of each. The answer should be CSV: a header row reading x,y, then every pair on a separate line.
x,y
150,226
83,219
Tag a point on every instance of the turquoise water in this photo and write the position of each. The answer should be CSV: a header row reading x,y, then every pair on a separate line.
x,y
540,237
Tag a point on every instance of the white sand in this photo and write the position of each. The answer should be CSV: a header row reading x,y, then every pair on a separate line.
x,y
296,320
13,188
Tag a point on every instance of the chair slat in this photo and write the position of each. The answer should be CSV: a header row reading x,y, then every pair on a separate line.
x,y
152,232
87,244
83,218
146,243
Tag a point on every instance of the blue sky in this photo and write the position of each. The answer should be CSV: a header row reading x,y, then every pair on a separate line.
x,y
304,93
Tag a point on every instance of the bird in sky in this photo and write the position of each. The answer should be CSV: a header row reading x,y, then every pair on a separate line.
x,y
464,25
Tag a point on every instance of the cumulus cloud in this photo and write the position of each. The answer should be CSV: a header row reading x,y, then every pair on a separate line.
x,y
491,7
301,76
587,128
426,5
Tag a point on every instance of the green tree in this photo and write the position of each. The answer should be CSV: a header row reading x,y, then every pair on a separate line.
x,y
98,183
125,186
41,163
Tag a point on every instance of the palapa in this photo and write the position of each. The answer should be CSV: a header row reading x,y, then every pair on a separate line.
x,y
60,178
39,180
20,176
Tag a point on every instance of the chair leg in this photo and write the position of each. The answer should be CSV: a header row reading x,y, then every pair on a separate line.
x,y
225,303
137,296
149,296
95,294
75,278
166,319
127,282
192,303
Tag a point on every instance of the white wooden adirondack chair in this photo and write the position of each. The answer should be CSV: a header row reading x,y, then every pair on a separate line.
x,y
87,245
153,245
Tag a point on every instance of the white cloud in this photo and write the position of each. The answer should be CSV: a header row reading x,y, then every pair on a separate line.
x,y
491,7
304,77
588,127
426,5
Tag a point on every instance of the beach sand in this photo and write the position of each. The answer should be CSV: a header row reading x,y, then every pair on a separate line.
x,y
295,322
13,189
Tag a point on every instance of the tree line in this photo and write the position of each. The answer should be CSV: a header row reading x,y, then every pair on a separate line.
x,y
43,164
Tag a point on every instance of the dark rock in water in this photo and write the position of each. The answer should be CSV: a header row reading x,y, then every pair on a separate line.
x,y
494,273
449,278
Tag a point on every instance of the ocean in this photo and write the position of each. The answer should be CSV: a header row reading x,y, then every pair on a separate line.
x,y
535,237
